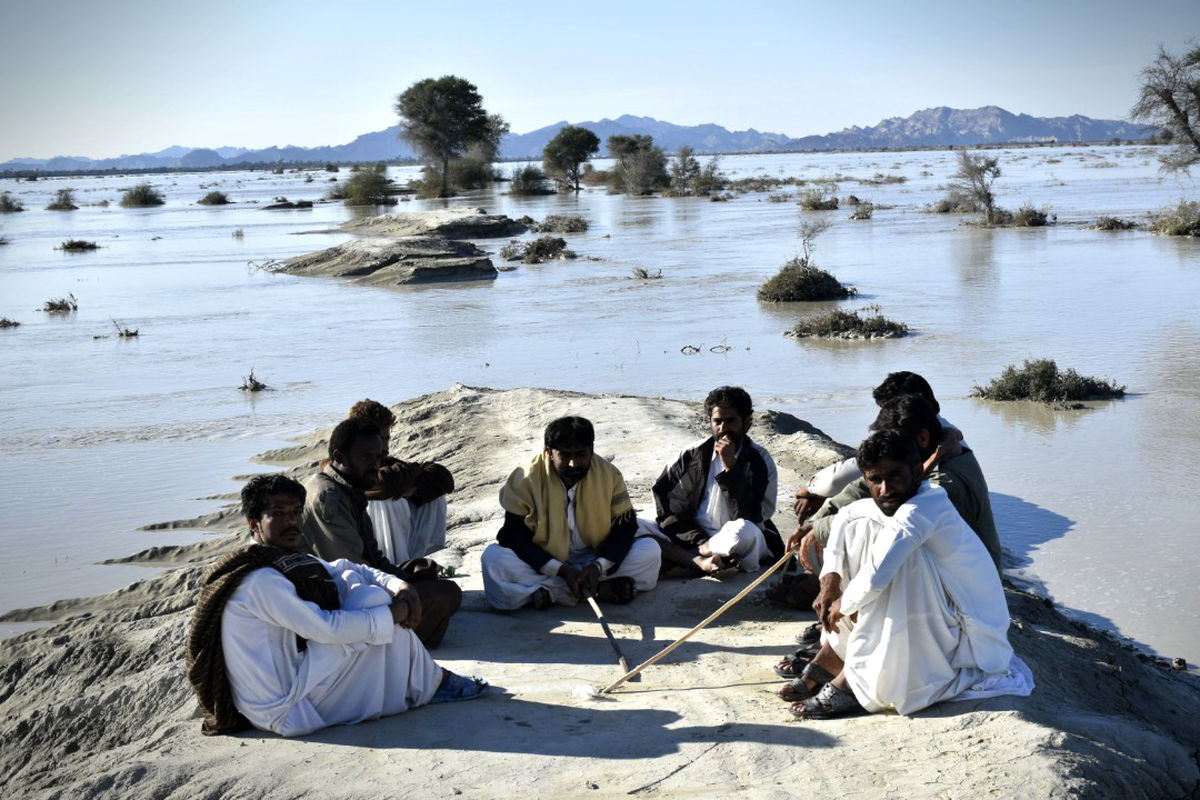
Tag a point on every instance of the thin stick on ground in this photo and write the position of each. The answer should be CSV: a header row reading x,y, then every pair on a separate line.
x,y
728,605
611,639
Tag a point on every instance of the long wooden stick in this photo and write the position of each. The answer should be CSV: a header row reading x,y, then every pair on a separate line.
x,y
611,639
729,604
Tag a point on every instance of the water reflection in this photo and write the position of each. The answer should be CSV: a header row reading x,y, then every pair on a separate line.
x,y
1037,418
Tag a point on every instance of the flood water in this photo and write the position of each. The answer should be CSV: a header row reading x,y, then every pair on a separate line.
x,y
105,435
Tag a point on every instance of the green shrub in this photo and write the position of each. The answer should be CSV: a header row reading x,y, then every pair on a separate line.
x,y
529,180
955,202
141,196
1182,220
9,205
331,167
798,281
1114,224
541,249
561,223
838,324
77,246
214,199
63,201
1041,380
594,177
1029,217
61,305
368,186
820,196
472,172
863,210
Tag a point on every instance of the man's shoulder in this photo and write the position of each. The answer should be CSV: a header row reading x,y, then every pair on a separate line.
x,y
761,452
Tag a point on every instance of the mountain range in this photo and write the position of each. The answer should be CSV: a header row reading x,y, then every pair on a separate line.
x,y
931,127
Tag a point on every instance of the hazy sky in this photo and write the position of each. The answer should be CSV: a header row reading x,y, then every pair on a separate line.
x,y
95,78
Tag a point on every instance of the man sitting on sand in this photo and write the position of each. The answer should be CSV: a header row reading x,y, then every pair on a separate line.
x,y
568,530
911,604
336,524
289,643
716,499
407,504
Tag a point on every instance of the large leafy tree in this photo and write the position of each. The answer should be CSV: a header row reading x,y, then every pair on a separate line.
x,y
641,165
1170,99
567,151
442,117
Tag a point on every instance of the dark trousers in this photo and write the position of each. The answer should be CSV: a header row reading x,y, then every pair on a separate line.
x,y
440,598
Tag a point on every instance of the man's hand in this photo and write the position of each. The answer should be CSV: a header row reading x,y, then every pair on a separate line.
x,y
406,607
583,583
806,503
726,450
805,541
829,602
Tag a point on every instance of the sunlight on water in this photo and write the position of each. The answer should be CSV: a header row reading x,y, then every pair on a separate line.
x,y
105,435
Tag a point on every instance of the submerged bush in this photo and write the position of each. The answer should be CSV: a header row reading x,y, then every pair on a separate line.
x,y
5,322
252,384
541,249
61,305
561,223
955,202
798,280
1029,217
862,210
838,324
1114,224
8,205
820,196
529,180
1041,380
214,199
142,195
1182,220
77,246
366,186
63,201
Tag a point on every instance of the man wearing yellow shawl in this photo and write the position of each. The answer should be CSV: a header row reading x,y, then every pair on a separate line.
x,y
568,529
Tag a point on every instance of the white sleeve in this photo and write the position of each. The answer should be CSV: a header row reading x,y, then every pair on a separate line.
x,y
905,531
268,595
831,480
368,575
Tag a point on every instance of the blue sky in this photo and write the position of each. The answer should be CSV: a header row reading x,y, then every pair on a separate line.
x,y
99,79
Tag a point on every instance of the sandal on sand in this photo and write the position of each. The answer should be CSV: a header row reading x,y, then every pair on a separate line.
x,y
810,635
828,703
541,599
617,590
791,665
798,689
456,687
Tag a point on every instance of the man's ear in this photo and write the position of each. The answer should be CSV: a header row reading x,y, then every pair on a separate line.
x,y
923,439
255,526
336,457
747,422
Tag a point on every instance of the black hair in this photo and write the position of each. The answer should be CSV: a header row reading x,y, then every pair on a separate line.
x,y
567,432
256,494
734,397
910,413
347,432
887,444
898,383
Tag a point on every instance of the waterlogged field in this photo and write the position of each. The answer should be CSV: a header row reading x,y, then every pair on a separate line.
x,y
107,434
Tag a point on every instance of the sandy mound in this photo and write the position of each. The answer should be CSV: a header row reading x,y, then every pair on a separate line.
x,y
395,262
452,223
98,705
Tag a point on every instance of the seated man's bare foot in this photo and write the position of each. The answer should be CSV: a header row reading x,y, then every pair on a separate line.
x,y
709,564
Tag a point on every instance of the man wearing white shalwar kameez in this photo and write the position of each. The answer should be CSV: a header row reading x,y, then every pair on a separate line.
x,y
294,657
913,608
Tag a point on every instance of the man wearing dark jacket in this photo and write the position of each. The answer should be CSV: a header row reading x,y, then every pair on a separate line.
x,y
715,501
336,524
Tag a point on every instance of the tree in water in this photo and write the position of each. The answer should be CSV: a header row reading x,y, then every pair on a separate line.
x,y
974,180
443,117
1170,99
567,151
